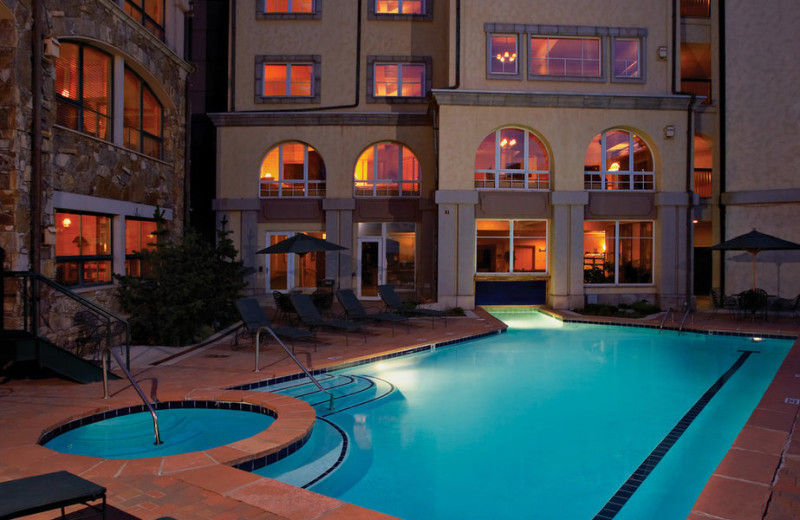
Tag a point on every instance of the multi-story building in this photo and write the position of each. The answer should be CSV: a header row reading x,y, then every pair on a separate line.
x,y
93,121
525,152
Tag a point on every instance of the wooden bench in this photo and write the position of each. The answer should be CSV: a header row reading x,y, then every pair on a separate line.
x,y
27,496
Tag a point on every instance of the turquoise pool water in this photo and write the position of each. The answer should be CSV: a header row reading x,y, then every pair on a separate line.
x,y
182,430
548,420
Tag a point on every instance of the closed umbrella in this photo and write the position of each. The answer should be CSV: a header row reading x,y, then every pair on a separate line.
x,y
754,242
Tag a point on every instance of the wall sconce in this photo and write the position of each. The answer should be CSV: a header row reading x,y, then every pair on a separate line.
x,y
52,48
662,52
669,132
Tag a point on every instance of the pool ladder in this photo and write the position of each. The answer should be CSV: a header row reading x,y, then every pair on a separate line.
x,y
683,321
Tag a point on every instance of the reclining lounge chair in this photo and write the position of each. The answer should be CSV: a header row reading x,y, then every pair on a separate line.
x,y
355,310
310,317
256,321
395,304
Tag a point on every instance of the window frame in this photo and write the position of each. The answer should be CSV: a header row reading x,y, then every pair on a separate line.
x,y
425,15
80,261
374,61
315,14
511,251
153,26
144,136
501,174
374,182
80,105
641,78
617,252
601,67
319,186
287,60
490,54
647,179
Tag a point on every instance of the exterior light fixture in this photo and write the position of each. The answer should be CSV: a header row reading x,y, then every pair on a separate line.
x,y
669,131
662,52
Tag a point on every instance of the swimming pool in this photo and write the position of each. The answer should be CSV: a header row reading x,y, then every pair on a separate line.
x,y
548,421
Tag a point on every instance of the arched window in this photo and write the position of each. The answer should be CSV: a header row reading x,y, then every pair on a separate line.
x,y
512,159
618,160
142,122
292,169
387,170
83,89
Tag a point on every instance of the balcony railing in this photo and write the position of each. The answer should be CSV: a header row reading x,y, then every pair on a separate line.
x,y
696,8
702,182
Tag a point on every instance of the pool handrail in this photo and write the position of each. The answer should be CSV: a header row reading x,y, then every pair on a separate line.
x,y
135,386
297,361
664,319
685,316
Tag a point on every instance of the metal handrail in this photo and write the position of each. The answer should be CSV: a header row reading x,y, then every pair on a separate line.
x,y
297,361
664,319
685,316
98,309
135,386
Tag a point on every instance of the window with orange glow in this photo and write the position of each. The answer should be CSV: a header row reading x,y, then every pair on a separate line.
x,y
512,159
618,160
399,80
626,58
618,252
140,236
288,80
504,54
289,6
83,89
149,13
83,248
142,117
399,6
511,246
387,170
565,57
292,169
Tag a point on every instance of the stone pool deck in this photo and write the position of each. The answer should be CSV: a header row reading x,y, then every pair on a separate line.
x,y
759,478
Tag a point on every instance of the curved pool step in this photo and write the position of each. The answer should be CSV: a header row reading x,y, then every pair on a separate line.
x,y
349,391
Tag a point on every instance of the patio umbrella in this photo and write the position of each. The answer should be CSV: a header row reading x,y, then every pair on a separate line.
x,y
754,242
300,244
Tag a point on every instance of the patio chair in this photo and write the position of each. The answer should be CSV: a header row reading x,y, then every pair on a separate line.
x,y
355,310
721,302
256,321
754,302
310,316
283,307
393,303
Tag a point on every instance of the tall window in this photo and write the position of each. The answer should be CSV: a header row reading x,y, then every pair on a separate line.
x,y
149,13
512,158
140,236
289,6
83,248
511,246
617,252
288,79
399,6
503,54
142,122
618,160
399,79
292,170
83,89
387,170
565,57
627,58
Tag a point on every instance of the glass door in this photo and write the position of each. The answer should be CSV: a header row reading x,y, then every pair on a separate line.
x,y
370,269
279,268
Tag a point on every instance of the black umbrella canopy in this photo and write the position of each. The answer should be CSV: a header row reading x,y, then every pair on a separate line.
x,y
301,244
754,242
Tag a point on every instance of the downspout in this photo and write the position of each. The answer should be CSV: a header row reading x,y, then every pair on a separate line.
x,y
722,138
37,81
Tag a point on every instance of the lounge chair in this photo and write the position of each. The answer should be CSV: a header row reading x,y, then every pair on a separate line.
x,y
355,310
310,316
31,495
395,304
256,321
